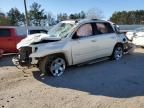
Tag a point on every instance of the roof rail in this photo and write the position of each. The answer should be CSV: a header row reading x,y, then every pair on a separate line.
x,y
95,19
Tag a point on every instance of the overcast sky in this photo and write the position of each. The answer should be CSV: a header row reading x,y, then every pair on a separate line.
x,y
74,6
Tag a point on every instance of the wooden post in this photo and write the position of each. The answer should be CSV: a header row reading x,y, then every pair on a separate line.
x,y
26,16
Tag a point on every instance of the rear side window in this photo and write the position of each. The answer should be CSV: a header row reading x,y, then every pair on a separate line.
x,y
104,28
5,32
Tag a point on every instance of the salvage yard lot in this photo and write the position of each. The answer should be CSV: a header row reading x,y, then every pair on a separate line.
x,y
109,84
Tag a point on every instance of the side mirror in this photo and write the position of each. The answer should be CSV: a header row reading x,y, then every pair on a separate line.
x,y
75,36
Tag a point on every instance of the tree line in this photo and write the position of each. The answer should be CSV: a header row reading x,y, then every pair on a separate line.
x,y
39,17
128,17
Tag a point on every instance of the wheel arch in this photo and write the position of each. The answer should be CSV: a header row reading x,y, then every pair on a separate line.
x,y
118,43
60,54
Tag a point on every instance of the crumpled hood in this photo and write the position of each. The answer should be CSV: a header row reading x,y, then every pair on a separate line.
x,y
34,38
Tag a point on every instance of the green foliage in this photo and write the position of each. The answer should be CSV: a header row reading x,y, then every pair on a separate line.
x,y
16,17
64,16
36,15
74,16
4,21
130,17
80,15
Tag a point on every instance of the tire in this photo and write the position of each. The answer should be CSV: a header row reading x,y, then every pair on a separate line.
x,y
54,65
117,52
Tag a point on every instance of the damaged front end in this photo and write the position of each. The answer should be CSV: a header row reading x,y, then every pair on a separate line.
x,y
23,58
129,47
28,46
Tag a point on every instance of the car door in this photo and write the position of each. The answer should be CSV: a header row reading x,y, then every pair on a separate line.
x,y
106,39
84,46
7,42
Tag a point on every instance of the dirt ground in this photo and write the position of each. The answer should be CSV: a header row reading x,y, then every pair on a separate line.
x,y
109,84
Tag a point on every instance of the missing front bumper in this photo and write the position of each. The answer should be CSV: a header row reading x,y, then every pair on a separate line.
x,y
23,58
19,62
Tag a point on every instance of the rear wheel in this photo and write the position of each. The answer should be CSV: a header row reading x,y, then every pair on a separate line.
x,y
118,52
54,65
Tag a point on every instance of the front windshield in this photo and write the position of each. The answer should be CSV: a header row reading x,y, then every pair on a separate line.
x,y
60,30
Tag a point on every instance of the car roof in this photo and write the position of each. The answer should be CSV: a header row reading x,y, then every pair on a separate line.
x,y
82,21
92,20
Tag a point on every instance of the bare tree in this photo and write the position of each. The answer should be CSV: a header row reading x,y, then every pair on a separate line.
x,y
16,17
94,13
36,15
50,19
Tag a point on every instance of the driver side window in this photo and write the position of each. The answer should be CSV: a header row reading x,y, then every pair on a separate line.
x,y
84,31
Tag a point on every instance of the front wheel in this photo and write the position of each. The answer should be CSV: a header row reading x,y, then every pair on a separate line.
x,y
54,65
118,52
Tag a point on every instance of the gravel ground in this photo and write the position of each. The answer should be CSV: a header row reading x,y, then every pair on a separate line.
x,y
109,84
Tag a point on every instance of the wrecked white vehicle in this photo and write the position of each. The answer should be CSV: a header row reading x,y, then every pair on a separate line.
x,y
133,33
70,43
138,40
136,36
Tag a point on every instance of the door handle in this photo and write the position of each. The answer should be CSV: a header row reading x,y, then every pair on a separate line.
x,y
93,40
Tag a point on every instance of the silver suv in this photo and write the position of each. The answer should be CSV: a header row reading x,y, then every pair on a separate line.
x,y
71,43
